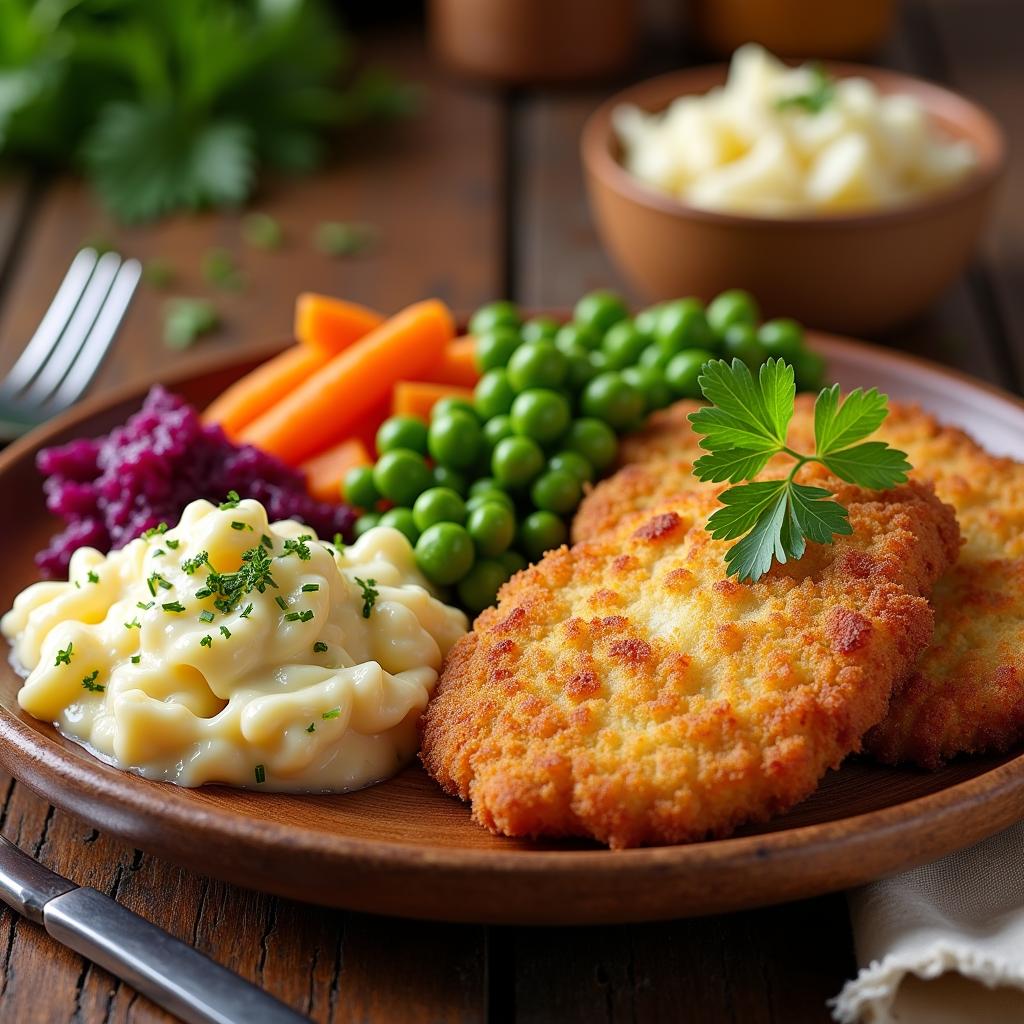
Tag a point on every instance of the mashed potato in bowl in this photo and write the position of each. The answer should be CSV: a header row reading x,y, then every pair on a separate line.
x,y
229,649
782,141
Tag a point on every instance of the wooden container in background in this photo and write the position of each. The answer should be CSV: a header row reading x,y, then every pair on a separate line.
x,y
793,28
522,42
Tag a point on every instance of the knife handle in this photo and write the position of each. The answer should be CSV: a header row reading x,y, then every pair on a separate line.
x,y
173,975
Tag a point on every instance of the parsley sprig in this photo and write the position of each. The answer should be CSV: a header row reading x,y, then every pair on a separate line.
x,y
746,425
818,96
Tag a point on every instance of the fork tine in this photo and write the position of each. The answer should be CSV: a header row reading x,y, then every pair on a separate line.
x,y
50,328
104,330
76,331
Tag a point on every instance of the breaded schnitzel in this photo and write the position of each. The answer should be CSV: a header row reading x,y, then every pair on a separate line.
x,y
624,689
966,694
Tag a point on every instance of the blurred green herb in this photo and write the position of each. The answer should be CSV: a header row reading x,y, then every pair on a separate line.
x,y
337,238
186,320
158,273
177,104
816,98
262,231
220,269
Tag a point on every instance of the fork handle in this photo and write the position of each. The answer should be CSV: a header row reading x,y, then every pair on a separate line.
x,y
173,975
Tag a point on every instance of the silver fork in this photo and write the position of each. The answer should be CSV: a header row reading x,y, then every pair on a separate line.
x,y
74,336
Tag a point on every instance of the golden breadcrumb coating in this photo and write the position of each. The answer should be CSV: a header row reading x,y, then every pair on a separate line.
x,y
626,690
966,694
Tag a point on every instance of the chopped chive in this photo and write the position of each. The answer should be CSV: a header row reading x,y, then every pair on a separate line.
x,y
136,658
370,595
78,586
226,632
205,592
173,544
319,647
154,531
231,501
309,588
207,641
311,727
299,616
333,713
338,542
144,605
159,552
281,602
236,525
173,606
267,542
64,657
89,682
245,613
206,615
93,578
261,774
134,624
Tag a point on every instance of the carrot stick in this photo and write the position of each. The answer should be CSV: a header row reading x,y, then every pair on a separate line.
x,y
258,390
418,398
327,406
331,325
326,471
457,365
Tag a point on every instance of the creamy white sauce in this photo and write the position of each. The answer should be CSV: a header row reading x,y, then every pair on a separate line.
x,y
322,694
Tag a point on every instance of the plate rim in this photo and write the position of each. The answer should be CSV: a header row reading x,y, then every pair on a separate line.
x,y
32,753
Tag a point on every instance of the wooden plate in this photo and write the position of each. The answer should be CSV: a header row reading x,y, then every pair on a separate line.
x,y
404,848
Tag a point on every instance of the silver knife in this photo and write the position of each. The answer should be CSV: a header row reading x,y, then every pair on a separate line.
x,y
173,975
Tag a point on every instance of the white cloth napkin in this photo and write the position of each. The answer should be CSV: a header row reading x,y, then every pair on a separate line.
x,y
943,943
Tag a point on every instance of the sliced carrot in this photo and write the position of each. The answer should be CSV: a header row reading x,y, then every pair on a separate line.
x,y
327,406
326,471
457,365
331,325
258,390
418,398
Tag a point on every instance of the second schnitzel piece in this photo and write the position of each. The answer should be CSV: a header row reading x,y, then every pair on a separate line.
x,y
626,690
966,694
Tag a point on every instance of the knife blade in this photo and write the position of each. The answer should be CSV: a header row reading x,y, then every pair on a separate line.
x,y
180,979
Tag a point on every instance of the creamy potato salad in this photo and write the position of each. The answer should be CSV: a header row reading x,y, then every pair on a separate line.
x,y
229,649
778,141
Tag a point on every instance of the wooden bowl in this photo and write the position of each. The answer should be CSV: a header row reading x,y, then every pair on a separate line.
x,y
793,28
520,42
856,273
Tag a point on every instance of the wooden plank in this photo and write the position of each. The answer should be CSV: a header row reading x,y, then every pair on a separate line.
x,y
427,185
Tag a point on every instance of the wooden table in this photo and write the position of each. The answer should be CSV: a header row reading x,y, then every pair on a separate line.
x,y
479,196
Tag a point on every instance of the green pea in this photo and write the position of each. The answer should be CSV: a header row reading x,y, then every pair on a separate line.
x,y
359,488
599,361
684,369
623,344
654,357
682,324
537,365
495,429
483,484
610,398
402,432
581,369
455,439
402,520
516,461
557,490
600,309
448,404
740,342
651,383
810,371
494,349
539,532
573,462
438,505
493,394
401,476
540,328
488,497
492,525
478,589
732,307
576,336
540,413
445,476
445,553
594,440
512,562
365,522
494,314
782,338
647,319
